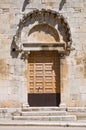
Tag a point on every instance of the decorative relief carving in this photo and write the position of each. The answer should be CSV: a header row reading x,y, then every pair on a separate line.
x,y
48,18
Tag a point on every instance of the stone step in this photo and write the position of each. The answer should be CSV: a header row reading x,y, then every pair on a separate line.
x,y
80,112
44,109
46,118
44,113
80,115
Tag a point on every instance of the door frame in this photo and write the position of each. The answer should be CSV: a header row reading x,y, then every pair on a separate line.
x,y
62,85
52,99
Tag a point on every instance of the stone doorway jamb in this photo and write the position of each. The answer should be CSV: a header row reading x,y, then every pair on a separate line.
x,y
62,86
26,104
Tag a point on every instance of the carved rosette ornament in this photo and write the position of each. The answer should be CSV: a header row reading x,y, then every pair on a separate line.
x,y
49,18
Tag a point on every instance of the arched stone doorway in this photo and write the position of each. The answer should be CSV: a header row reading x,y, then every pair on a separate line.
x,y
44,36
43,68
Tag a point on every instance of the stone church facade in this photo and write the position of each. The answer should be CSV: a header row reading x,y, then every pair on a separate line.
x,y
42,53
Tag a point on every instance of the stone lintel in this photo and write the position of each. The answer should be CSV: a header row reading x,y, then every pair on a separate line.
x,y
43,48
60,47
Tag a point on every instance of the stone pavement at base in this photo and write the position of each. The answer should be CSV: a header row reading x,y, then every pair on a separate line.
x,y
39,127
9,122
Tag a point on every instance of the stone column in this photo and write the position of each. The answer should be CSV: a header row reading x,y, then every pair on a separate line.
x,y
26,56
62,85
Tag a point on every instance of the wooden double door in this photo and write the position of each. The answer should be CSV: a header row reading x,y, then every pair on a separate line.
x,y
44,78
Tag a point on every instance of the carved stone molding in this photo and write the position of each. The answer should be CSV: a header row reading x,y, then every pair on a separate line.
x,y
48,17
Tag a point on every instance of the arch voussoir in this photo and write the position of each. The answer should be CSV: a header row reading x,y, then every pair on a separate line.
x,y
48,17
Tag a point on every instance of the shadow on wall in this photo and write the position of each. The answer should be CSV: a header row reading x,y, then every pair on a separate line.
x,y
26,2
62,4
13,51
44,33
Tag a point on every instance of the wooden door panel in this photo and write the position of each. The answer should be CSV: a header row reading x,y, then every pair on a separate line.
x,y
44,72
39,78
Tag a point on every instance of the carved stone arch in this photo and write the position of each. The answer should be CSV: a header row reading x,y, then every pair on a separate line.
x,y
44,17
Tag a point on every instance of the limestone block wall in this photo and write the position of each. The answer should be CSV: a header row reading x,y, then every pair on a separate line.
x,y
13,68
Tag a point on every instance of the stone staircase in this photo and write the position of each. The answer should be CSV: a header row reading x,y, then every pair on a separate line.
x,y
43,114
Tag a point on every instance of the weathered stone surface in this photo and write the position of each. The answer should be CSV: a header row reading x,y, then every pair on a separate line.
x,y
14,66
